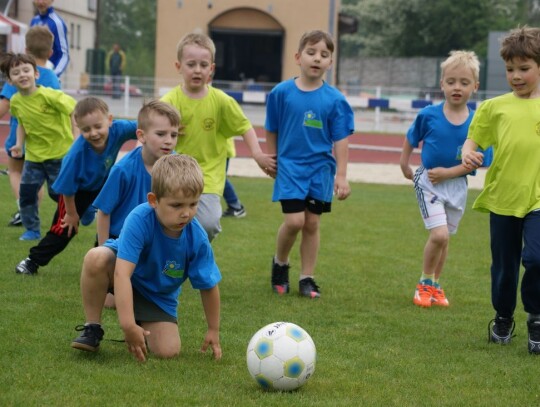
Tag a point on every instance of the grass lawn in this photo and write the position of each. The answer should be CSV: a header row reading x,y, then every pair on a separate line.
x,y
374,347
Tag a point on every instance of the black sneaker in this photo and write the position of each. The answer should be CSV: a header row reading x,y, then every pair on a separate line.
x,y
15,220
280,278
501,329
89,339
308,288
27,267
534,336
234,213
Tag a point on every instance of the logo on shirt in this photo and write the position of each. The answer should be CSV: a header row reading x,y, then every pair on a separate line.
x,y
174,270
208,124
310,120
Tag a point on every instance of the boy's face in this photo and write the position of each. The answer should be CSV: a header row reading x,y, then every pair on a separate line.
x,y
42,5
196,67
458,84
94,128
159,138
314,60
523,76
23,77
174,211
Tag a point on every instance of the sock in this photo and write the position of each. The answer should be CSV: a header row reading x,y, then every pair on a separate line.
x,y
304,276
427,278
92,323
18,206
436,283
280,263
534,317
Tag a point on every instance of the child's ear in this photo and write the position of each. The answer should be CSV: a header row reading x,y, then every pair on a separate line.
x,y
140,135
152,199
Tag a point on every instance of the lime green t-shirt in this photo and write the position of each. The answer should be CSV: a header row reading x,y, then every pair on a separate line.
x,y
512,126
208,123
45,116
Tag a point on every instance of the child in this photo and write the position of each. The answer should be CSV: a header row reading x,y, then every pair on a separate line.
x,y
235,209
511,191
84,170
39,42
129,181
210,117
160,247
305,118
47,128
440,182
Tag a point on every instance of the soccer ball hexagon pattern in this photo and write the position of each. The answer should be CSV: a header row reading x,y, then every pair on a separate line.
x,y
281,356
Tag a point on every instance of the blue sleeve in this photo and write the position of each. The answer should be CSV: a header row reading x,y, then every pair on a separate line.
x,y
272,114
415,134
109,196
342,120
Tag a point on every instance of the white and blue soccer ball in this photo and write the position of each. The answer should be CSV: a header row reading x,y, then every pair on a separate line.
x,y
281,356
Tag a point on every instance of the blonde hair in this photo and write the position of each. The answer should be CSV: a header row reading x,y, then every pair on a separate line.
x,y
89,105
155,106
198,39
521,43
467,59
39,41
177,172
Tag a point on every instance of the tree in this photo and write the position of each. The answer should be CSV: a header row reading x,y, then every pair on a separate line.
x,y
132,24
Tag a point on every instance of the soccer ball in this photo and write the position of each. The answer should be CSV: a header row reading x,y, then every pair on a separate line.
x,y
281,356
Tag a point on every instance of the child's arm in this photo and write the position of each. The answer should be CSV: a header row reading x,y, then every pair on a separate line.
x,y
4,107
17,149
71,219
266,162
211,304
123,293
341,185
406,152
103,226
471,158
271,149
440,174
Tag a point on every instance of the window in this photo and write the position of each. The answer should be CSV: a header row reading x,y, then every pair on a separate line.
x,y
92,5
71,35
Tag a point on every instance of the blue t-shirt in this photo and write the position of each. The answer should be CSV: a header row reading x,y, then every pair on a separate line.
x,y
46,78
84,169
307,126
163,263
126,187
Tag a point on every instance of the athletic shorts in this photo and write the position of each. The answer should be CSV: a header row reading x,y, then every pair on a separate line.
x,y
300,205
442,204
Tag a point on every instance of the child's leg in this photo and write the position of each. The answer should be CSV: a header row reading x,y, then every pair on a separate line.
x,y
164,339
287,232
309,247
15,167
32,178
209,214
435,251
530,284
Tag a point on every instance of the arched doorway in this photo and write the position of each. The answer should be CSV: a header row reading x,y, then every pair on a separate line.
x,y
249,46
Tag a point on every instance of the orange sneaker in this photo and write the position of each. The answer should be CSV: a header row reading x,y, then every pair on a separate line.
x,y
423,295
438,298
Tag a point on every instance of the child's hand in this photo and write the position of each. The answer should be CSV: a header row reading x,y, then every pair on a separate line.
x,y
212,339
407,171
472,160
438,175
16,151
267,163
71,222
341,188
135,342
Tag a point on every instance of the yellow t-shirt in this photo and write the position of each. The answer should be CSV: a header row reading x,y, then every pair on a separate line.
x,y
208,123
45,116
512,126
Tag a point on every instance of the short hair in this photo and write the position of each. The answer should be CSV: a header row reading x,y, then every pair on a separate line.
x,y
522,42
467,59
199,39
39,41
157,107
10,60
315,36
90,105
177,172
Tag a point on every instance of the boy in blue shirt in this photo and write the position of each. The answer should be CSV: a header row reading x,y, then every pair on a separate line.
x,y
161,246
84,170
305,119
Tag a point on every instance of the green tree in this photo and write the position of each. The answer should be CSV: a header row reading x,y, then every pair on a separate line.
x,y
132,24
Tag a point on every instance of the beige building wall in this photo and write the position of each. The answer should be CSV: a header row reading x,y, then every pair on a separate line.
x,y
175,18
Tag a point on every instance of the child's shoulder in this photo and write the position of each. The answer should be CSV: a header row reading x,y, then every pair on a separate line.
x,y
47,78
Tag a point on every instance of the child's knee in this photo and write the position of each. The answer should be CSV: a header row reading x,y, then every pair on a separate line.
x,y
166,350
98,260
439,235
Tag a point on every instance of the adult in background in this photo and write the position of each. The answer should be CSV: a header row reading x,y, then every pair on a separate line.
x,y
47,16
116,60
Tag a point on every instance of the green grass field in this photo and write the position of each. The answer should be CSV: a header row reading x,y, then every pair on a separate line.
x,y
374,347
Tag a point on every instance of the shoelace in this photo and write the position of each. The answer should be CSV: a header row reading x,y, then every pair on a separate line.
x,y
506,324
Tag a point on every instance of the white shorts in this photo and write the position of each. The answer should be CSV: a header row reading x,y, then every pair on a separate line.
x,y
441,204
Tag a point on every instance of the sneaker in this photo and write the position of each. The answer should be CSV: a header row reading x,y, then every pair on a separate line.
x,y
534,336
30,235
89,339
88,216
438,298
501,329
234,213
280,278
15,220
423,295
308,288
27,266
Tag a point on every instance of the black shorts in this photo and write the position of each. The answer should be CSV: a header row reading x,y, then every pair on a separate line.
x,y
300,205
147,311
